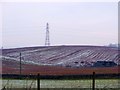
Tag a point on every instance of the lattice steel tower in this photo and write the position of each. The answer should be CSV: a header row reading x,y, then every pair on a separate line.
x,y
47,39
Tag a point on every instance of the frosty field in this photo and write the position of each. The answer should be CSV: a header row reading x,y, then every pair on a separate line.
x,y
101,83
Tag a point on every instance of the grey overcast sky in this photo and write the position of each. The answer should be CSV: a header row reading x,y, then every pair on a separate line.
x,y
80,23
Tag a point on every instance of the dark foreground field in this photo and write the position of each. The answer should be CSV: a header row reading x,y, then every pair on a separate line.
x,y
56,70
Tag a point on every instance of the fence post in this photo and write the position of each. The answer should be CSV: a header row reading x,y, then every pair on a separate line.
x,y
38,81
93,81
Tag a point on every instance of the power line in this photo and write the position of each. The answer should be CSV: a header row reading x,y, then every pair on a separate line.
x,y
20,64
47,39
23,27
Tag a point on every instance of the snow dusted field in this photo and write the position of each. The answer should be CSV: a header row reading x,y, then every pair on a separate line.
x,y
53,60
67,56
102,83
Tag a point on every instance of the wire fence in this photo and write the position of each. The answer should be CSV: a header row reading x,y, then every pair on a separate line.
x,y
37,83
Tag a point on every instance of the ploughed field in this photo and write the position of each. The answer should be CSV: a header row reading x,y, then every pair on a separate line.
x,y
59,60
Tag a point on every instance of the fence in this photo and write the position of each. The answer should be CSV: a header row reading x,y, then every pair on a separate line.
x,y
74,82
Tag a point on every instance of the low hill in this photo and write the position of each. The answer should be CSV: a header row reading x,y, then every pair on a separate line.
x,y
58,56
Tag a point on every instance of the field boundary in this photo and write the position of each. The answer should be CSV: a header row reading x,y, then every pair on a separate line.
x,y
89,76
